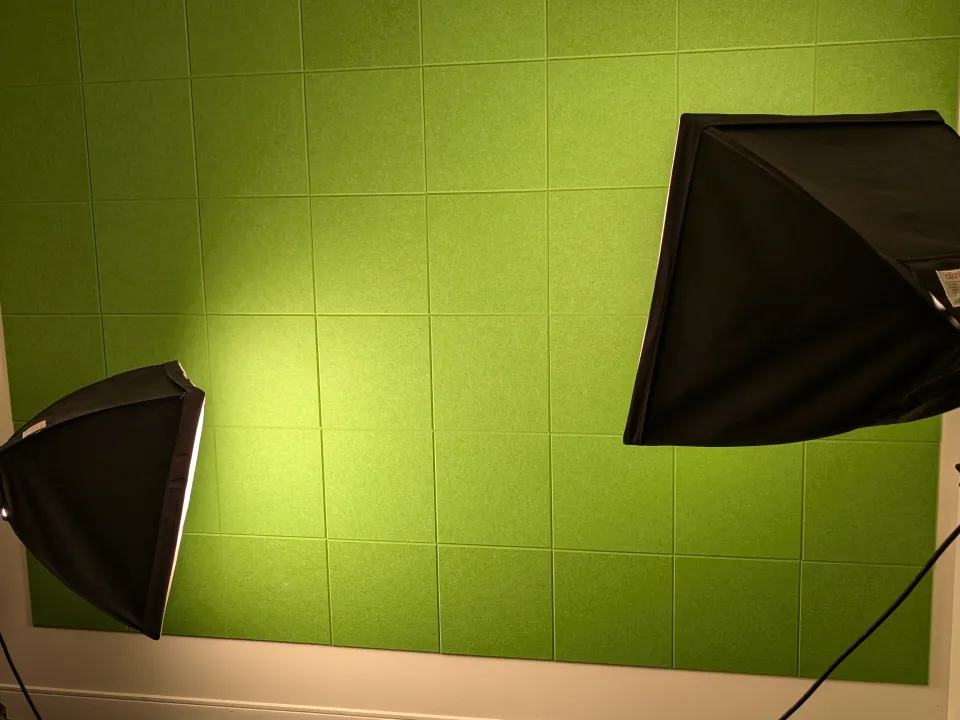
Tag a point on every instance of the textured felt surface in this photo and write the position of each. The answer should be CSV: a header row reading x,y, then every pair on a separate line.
x,y
257,255
379,485
485,126
614,608
886,77
407,248
196,602
38,43
603,249
736,615
148,256
493,488
465,31
136,125
370,254
375,372
250,135
133,341
490,373
121,40
612,121
610,27
43,157
748,81
276,589
48,259
384,595
610,497
839,600
366,131
707,24
271,481
488,253
740,502
233,37
896,526
851,20
495,601
49,356
593,365
246,350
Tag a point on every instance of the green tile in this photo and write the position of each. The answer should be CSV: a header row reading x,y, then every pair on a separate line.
x,y
886,77
603,249
276,589
148,253
271,482
375,372
123,40
257,255
493,489
195,605
485,127
44,154
47,259
593,365
488,253
366,131
928,429
203,515
132,126
134,341
610,27
607,496
748,81
740,502
49,356
614,608
465,31
237,37
53,604
839,602
496,602
370,254
846,20
613,121
870,502
264,370
490,373
360,33
746,23
379,485
250,135
384,595
38,43
736,615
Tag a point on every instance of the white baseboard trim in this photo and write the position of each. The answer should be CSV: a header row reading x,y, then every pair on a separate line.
x,y
61,703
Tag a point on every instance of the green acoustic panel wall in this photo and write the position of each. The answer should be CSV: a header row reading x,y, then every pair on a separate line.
x,y
408,247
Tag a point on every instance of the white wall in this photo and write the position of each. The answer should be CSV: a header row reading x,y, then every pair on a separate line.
x,y
112,677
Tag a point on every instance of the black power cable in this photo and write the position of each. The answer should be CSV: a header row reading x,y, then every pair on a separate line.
x,y
882,619
23,688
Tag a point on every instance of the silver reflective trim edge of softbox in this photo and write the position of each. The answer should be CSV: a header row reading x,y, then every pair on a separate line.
x,y
663,227
186,501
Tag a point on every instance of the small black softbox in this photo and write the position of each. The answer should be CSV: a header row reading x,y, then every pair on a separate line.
x,y
97,486
808,281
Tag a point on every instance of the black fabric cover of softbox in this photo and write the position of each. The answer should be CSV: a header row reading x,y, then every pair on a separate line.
x,y
808,281
96,486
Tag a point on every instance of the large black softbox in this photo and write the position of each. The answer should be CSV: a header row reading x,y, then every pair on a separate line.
x,y
97,486
808,281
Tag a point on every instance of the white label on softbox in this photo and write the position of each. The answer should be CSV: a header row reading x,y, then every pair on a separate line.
x,y
950,279
34,428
